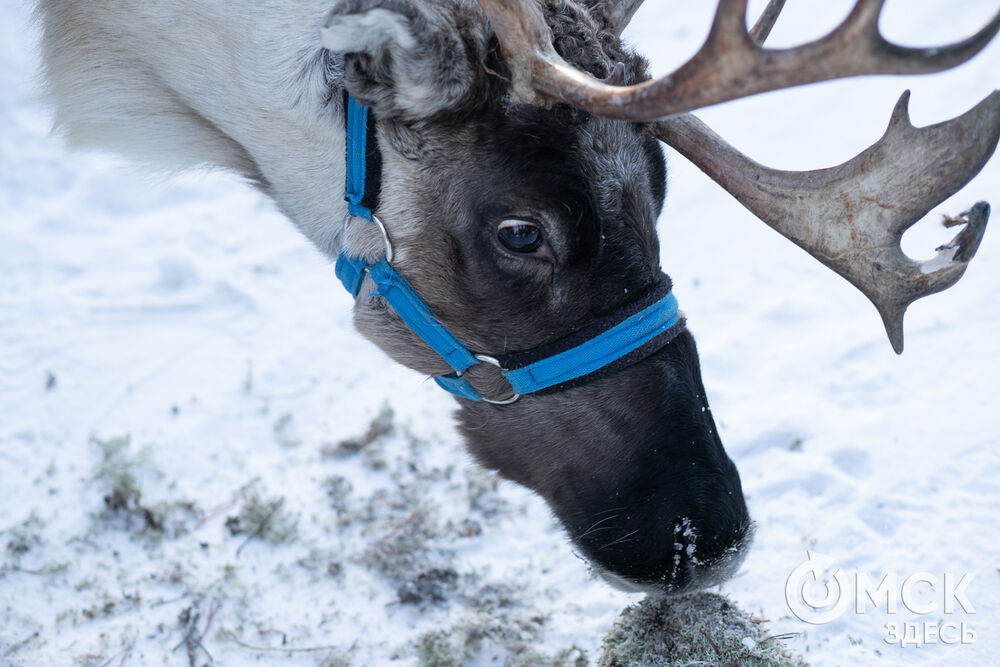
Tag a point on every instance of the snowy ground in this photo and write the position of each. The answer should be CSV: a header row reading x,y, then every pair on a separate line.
x,y
178,372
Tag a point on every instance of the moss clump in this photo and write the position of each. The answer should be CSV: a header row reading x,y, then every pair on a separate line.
x,y
430,586
264,519
402,551
567,657
694,629
380,427
119,472
493,629
338,488
439,649
24,536
462,643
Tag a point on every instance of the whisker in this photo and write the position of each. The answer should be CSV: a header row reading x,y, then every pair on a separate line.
x,y
594,527
623,538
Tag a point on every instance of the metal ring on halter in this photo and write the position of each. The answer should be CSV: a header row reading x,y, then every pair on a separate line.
x,y
493,362
385,238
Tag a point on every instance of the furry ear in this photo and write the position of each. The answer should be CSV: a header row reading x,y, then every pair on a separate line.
x,y
409,58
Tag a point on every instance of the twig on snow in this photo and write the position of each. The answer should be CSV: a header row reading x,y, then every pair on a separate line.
x,y
121,656
14,568
227,634
192,638
19,645
222,508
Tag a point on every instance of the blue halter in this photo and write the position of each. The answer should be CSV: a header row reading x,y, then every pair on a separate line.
x,y
634,332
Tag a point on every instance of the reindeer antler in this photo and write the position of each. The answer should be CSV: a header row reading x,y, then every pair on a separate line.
x,y
850,217
731,64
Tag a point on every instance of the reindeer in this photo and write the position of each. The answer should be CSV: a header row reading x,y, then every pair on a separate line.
x,y
514,148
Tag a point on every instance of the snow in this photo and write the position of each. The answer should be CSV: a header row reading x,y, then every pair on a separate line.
x,y
189,316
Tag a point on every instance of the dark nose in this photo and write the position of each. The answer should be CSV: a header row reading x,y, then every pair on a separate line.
x,y
671,515
672,533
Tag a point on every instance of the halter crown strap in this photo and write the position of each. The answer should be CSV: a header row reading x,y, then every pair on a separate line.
x,y
361,191
632,333
364,161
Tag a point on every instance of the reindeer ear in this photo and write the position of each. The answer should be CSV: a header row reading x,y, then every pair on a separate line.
x,y
406,58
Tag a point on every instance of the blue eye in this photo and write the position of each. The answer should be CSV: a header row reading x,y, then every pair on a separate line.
x,y
520,235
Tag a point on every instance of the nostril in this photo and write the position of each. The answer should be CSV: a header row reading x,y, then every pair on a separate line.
x,y
701,558
682,554
690,561
670,534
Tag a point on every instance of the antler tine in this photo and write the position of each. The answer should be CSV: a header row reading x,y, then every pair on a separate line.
x,y
526,42
731,64
762,28
619,14
852,217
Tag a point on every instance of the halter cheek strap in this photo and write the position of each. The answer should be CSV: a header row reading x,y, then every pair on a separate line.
x,y
633,332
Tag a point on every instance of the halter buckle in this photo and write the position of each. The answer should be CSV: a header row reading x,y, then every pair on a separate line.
x,y
485,358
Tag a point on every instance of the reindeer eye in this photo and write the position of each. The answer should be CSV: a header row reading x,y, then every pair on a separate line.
x,y
520,236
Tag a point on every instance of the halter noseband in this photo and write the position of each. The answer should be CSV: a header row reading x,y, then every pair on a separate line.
x,y
631,333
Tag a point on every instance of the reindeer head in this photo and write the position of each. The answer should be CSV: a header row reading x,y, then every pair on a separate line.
x,y
520,224
521,183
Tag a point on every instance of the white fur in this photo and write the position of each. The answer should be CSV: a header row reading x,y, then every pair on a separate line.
x,y
374,29
241,85
238,85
